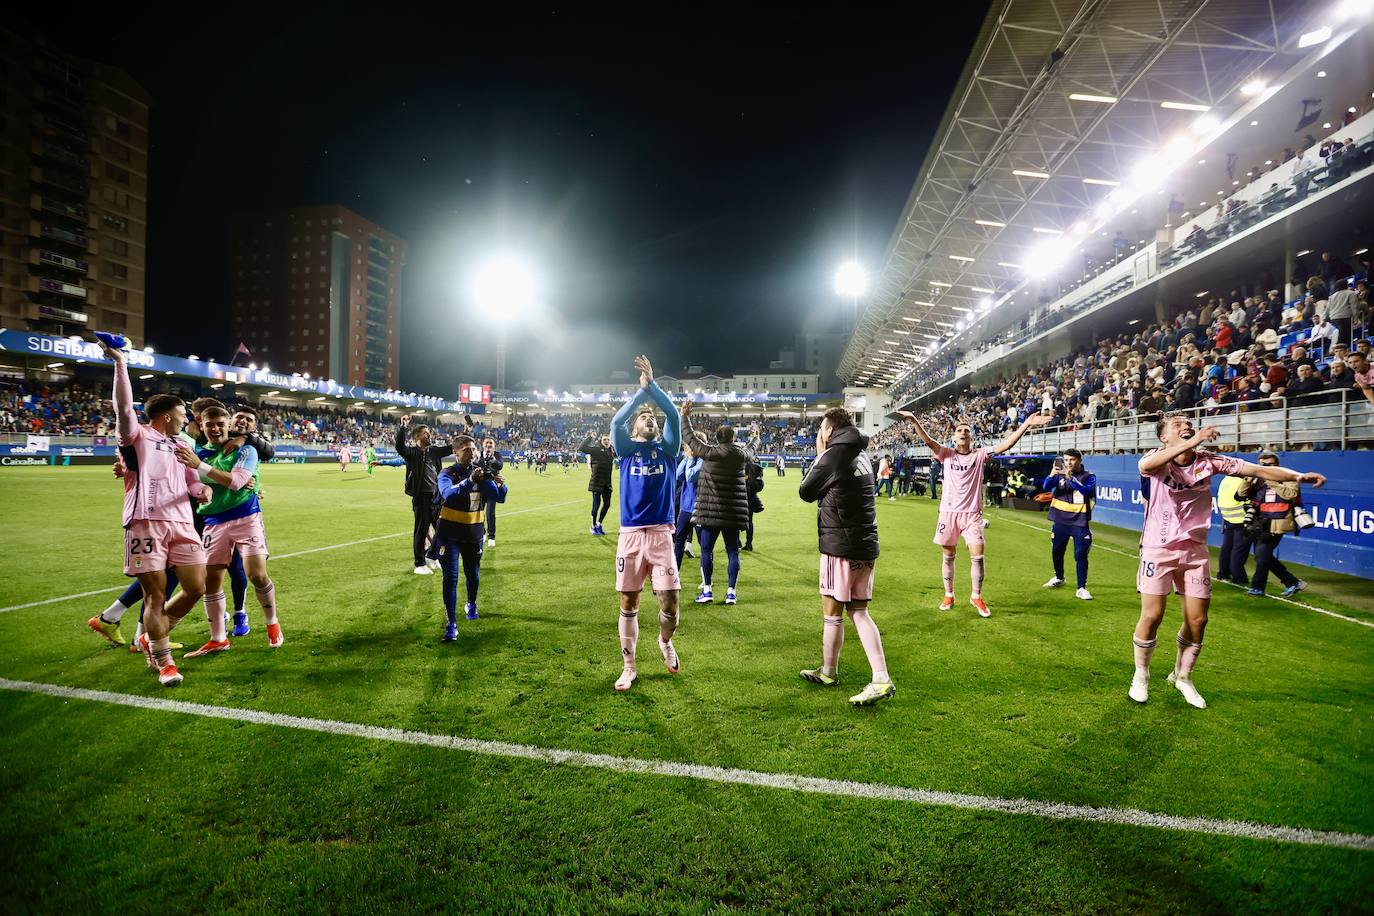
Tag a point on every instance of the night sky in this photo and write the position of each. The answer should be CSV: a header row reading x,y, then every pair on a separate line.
x,y
684,186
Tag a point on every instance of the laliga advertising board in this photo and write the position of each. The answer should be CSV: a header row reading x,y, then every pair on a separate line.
x,y
1342,540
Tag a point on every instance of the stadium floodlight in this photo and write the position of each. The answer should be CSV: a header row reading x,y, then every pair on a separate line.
x,y
940,283
1011,264
1046,257
1185,106
503,288
1105,182
960,257
1030,173
1088,97
1205,125
1047,230
1314,37
850,280
981,289
991,222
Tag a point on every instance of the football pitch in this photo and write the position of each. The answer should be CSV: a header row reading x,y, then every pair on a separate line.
x,y
366,766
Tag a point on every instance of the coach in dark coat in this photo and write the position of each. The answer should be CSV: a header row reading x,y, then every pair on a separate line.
x,y
842,481
722,507
603,463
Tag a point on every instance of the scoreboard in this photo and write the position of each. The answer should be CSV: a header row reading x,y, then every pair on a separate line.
x,y
474,394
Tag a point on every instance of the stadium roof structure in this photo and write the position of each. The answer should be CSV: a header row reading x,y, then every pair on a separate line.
x,y
1068,114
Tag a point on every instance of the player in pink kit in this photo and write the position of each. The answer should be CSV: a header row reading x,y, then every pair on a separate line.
x,y
158,530
1177,486
961,505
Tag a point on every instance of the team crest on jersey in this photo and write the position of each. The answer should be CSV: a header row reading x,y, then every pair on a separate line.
x,y
138,564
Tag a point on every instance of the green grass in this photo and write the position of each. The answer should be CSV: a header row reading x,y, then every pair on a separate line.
x,y
109,807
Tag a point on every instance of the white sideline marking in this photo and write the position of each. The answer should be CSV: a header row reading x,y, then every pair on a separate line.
x,y
1124,553
1130,817
284,556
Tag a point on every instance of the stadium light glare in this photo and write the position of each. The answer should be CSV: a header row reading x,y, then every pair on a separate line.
x,y
1046,257
503,288
940,283
1011,264
850,280
1314,37
146,375
1102,181
991,222
54,365
960,257
1349,8
1185,106
981,289
1045,230
1254,87
1088,97
1030,173
1204,124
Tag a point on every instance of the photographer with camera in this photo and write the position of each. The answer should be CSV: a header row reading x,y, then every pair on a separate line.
x,y
1272,513
423,461
465,489
1073,493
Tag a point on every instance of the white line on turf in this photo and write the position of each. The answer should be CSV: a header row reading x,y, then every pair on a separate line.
x,y
1125,553
284,556
1130,817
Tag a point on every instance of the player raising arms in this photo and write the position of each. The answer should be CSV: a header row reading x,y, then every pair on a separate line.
x,y
158,530
645,547
233,522
961,505
1175,481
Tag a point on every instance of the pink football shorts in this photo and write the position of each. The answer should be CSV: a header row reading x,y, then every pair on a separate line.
x,y
1165,570
646,553
846,580
954,525
245,533
152,545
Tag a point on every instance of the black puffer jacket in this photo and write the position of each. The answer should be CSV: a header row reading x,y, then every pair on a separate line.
x,y
842,482
603,461
722,498
422,465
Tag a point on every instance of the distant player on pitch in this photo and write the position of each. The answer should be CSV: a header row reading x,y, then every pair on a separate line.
x,y
1175,481
961,505
645,546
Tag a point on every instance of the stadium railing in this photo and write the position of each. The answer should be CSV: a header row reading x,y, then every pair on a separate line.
x,y
1334,424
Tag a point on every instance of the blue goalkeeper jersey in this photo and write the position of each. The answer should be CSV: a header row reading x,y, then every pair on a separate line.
x,y
648,470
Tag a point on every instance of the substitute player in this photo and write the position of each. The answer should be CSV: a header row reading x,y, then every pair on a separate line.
x,y
1175,481
645,546
961,504
233,523
158,531
841,483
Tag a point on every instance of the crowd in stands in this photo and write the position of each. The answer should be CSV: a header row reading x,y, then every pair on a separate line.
x,y
84,409
1311,164
1238,353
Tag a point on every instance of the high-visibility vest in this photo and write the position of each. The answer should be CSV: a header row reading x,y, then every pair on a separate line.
x,y
1232,509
